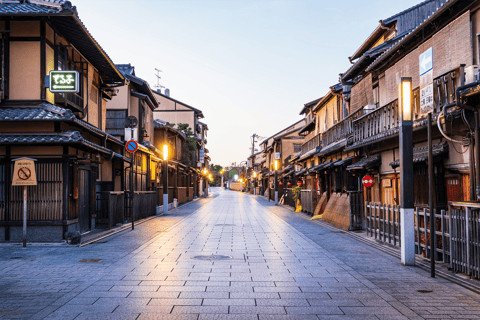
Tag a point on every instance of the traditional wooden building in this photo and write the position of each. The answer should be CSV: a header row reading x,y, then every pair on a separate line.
x,y
64,132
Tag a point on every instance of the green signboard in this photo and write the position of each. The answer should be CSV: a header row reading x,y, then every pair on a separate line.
x,y
63,81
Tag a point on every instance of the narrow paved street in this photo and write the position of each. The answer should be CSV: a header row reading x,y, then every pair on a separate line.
x,y
282,267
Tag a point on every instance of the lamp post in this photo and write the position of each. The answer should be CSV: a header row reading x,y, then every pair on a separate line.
x,y
165,179
205,181
276,182
254,182
407,234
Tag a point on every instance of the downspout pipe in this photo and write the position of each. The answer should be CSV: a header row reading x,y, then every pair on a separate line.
x,y
477,154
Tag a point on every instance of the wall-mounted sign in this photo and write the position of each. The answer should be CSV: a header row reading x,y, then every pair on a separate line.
x,y
277,155
63,81
368,181
201,155
426,81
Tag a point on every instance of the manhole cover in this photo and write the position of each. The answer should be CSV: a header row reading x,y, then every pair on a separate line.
x,y
424,291
90,260
14,258
212,257
224,225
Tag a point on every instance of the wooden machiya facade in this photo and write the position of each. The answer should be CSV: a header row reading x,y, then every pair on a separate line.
x,y
283,143
86,178
354,129
65,132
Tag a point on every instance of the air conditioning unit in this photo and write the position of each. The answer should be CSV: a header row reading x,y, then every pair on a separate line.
x,y
471,74
368,108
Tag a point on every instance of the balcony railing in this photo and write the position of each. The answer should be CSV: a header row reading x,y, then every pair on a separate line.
x,y
341,130
70,100
312,143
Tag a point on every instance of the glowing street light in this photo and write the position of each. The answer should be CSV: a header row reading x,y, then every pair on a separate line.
x,y
407,234
165,178
276,165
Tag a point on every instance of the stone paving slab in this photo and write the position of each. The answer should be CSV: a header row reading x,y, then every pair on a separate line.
x,y
282,266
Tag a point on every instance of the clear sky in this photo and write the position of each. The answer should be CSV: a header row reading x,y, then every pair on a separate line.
x,y
248,65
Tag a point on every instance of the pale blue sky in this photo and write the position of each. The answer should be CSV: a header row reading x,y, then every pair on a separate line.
x,y
248,65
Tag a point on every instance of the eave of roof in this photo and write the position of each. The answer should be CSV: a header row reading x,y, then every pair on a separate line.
x,y
48,112
276,134
197,111
143,87
411,35
66,20
309,105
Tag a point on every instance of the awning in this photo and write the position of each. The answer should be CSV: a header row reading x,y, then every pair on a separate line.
x,y
308,127
296,156
344,162
365,163
287,174
332,147
300,172
309,154
421,154
73,138
319,167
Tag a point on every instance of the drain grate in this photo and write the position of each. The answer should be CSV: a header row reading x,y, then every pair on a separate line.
x,y
425,291
212,257
99,242
90,260
14,258
337,231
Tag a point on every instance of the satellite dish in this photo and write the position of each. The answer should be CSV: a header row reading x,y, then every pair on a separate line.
x,y
132,121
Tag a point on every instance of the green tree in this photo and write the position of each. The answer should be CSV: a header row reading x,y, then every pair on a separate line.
x,y
216,168
189,147
231,173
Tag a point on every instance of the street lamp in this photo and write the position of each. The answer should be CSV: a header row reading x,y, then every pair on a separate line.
x,y
165,179
407,233
276,181
255,182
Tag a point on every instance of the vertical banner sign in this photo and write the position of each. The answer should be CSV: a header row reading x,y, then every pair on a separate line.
x,y
277,155
426,81
202,155
24,175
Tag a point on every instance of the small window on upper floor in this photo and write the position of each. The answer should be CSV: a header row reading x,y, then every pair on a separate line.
x,y
297,147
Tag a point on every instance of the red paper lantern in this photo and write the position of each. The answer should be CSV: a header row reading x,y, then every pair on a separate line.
x,y
300,183
368,181
281,183
289,184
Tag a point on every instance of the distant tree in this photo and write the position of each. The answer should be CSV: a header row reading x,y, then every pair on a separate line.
x,y
233,172
189,147
216,168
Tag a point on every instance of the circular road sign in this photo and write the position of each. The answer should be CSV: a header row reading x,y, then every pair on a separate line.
x,y
131,146
368,181
24,173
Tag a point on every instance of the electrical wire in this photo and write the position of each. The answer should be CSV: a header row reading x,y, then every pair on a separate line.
x,y
447,137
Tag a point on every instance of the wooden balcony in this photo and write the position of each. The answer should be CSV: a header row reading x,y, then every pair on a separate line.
x,y
341,130
70,100
312,143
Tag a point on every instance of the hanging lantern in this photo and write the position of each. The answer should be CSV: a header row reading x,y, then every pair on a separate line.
x,y
281,184
299,183
289,184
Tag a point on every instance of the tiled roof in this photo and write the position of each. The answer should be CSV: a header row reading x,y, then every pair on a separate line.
x,y
49,112
443,7
126,69
44,111
34,138
33,6
64,18
69,137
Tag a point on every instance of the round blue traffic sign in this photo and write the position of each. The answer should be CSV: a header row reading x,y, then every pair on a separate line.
x,y
132,146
